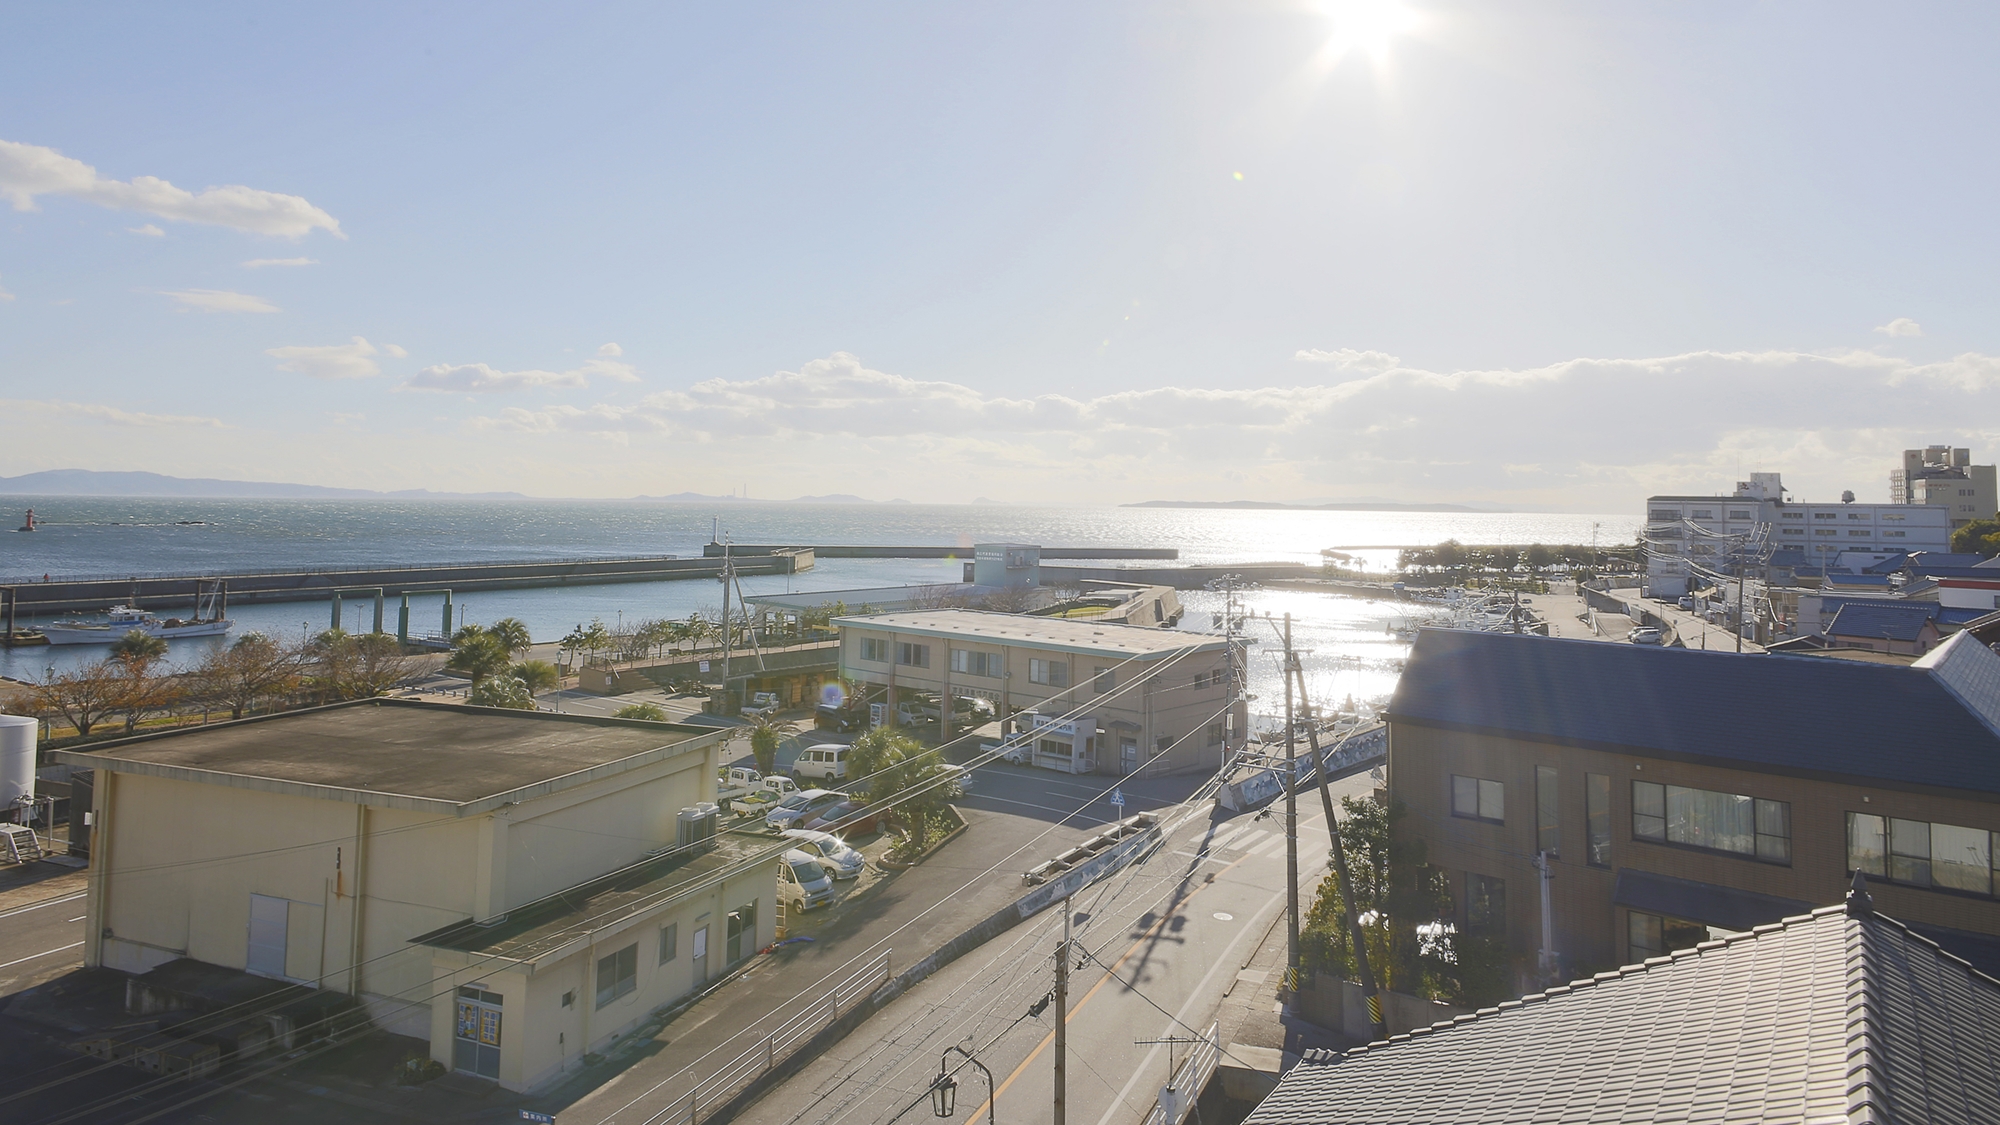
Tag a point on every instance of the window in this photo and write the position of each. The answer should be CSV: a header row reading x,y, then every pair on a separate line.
x,y
1665,515
1548,803
1215,734
617,974
975,663
1103,679
1795,515
1597,816
1922,854
1478,798
1894,534
1721,822
915,656
1702,514
1826,515
1054,673
1897,516
670,942
1737,515
569,998
1654,935
1825,531
1857,515
1794,531
875,650
1860,533
1485,902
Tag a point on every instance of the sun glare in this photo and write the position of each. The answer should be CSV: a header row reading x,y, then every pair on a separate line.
x,y
1367,26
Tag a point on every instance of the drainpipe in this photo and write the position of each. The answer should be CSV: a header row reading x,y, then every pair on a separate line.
x,y
1545,867
355,910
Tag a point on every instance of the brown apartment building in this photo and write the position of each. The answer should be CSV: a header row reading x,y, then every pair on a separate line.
x,y
1682,794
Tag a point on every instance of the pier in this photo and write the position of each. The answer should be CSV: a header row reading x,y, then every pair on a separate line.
x,y
24,598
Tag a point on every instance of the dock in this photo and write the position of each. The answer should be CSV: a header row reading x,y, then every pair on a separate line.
x,y
848,551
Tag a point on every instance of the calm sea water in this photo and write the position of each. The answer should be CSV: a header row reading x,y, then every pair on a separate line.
x,y
1352,654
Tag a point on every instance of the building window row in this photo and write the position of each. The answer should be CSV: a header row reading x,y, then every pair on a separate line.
x,y
971,662
1479,799
617,974
913,655
1719,822
1051,673
875,650
1920,853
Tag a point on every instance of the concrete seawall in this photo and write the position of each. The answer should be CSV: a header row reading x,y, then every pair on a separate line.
x,y
79,595
751,550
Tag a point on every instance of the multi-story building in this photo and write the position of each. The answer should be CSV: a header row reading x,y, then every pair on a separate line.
x,y
1096,697
1941,475
1678,793
517,888
1685,534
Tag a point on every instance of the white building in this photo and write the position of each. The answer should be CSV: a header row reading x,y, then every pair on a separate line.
x,y
1684,533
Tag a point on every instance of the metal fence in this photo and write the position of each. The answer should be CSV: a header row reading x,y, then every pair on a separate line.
x,y
1189,1080
772,1045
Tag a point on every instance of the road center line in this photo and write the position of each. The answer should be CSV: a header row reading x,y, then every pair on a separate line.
x,y
44,953
40,905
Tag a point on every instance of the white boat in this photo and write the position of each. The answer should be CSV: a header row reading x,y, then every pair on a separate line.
x,y
122,619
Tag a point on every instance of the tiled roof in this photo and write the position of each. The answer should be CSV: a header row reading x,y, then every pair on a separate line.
x,y
1785,714
1832,1016
1877,622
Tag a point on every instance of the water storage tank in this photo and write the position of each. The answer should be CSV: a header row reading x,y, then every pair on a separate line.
x,y
17,765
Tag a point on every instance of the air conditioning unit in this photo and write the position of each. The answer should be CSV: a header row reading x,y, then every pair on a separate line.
x,y
696,825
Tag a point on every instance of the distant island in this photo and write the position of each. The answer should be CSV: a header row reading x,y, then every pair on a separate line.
x,y
1268,505
88,482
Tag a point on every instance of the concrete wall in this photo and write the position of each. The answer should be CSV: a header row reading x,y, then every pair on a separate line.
x,y
1590,931
1340,1005
568,838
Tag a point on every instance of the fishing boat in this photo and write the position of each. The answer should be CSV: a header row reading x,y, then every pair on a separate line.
x,y
123,619
208,621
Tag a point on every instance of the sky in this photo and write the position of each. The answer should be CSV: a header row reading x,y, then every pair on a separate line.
x,y
1551,256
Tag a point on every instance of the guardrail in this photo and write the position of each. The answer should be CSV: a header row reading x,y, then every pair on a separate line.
x,y
773,1045
1188,1080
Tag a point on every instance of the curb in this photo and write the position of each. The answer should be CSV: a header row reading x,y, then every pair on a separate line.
x,y
887,864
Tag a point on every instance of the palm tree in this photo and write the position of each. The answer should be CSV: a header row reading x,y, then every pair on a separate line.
x,y
648,711
539,675
510,631
138,647
478,656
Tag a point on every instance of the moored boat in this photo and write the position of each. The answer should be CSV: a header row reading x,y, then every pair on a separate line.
x,y
121,620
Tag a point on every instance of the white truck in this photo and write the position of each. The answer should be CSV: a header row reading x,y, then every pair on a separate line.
x,y
761,704
746,792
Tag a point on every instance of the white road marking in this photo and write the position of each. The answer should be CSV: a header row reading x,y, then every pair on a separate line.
x,y
44,953
40,905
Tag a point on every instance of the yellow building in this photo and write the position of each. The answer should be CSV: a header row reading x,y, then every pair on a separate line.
x,y
516,888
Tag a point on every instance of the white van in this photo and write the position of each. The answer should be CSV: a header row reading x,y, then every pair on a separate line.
x,y
825,762
803,881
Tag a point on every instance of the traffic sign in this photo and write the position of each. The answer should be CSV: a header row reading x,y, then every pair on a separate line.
x,y
1118,798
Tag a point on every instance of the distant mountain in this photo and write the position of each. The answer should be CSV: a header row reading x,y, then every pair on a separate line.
x,y
88,482
1268,505
981,500
696,498
832,498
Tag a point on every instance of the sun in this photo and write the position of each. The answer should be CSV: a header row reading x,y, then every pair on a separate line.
x,y
1368,26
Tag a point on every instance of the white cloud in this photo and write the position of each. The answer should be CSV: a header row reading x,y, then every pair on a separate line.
x,y
334,361
260,263
611,369
1347,359
220,300
149,230
27,171
5,296
610,351
478,378
110,415
1399,432
1901,326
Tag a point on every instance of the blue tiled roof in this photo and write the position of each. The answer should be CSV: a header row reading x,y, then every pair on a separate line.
x,y
1986,572
1800,715
1876,622
1840,578
1890,565
1945,558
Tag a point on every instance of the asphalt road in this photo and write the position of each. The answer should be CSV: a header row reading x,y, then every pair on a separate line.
x,y
1166,940
41,926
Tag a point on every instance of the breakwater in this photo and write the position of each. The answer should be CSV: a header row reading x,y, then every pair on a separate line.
x,y
1179,577
40,598
839,551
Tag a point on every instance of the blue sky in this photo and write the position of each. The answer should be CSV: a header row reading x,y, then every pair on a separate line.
x,y
1550,255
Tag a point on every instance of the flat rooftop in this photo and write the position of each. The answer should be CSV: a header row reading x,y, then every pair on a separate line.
x,y
1085,637
400,753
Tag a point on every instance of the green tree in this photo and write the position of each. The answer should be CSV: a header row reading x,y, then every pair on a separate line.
x,y
477,655
512,634
764,745
501,691
1395,892
539,675
138,647
1980,537
899,770
648,711
241,676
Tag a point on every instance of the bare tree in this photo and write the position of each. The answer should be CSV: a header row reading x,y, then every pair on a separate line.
x,y
81,697
254,670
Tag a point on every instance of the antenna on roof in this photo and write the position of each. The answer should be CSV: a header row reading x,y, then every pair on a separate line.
x,y
1860,904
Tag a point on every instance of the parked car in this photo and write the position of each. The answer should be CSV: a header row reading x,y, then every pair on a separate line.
x,y
959,779
778,785
803,880
1646,635
839,857
841,719
824,762
844,816
1687,602
739,777
762,703
804,803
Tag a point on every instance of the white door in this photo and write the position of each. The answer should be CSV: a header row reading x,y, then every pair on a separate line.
x,y
267,936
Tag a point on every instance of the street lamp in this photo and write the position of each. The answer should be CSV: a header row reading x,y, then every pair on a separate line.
x,y
944,1088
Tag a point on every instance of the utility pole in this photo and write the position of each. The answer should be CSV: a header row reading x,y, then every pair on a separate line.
x,y
1062,1019
1291,817
1346,882
728,573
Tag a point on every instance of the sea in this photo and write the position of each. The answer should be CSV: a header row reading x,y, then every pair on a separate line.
x,y
1351,653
